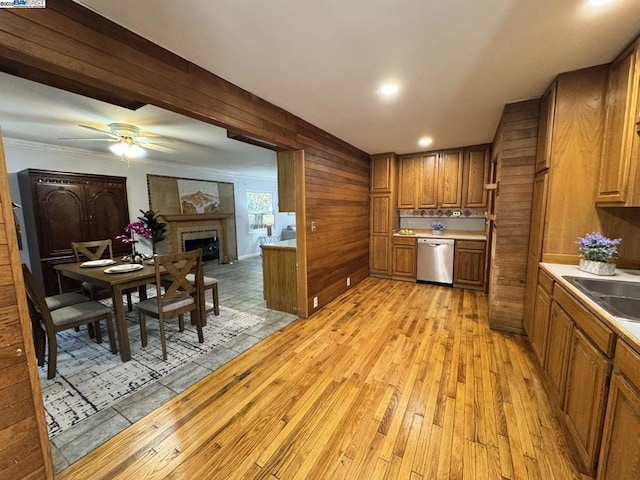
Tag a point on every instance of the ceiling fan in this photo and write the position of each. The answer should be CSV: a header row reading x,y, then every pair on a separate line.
x,y
128,140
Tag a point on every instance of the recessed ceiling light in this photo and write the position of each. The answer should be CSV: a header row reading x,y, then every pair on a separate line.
x,y
388,89
425,141
598,3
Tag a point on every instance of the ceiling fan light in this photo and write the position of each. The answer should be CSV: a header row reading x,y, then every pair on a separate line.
x,y
134,151
120,148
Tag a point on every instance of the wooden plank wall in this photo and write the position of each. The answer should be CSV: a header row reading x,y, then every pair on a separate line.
x,y
515,148
68,45
24,443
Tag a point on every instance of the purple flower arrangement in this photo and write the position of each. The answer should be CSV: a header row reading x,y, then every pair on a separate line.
x,y
437,226
138,227
598,248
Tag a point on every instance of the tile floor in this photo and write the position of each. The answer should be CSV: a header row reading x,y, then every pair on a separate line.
x,y
240,288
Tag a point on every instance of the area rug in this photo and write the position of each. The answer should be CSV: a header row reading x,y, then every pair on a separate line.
x,y
90,378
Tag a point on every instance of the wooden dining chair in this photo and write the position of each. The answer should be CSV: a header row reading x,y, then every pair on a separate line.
x,y
53,303
96,250
70,316
180,296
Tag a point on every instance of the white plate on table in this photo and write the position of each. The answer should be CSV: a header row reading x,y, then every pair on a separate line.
x,y
131,267
98,263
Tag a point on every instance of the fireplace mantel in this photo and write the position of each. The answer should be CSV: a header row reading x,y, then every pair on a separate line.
x,y
199,217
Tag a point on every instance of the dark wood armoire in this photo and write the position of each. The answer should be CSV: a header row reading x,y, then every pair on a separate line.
x,y
61,207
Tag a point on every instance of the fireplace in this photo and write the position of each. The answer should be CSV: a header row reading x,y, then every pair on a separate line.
x,y
210,247
206,231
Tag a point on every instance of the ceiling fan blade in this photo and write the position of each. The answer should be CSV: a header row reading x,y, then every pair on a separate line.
x,y
159,148
88,139
104,132
156,137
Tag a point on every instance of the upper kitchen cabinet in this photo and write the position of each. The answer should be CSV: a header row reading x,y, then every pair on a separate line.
x,y
431,180
619,173
381,173
475,175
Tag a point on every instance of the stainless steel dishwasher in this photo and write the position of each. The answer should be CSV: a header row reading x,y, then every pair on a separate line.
x,y
435,260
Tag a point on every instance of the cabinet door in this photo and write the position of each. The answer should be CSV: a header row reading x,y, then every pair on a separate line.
x,y
407,186
450,179
475,175
381,168
61,218
427,172
380,241
559,338
286,182
545,128
404,261
540,324
469,267
585,397
620,455
107,212
619,129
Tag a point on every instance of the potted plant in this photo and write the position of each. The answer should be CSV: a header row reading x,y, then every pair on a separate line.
x,y
597,254
437,228
158,229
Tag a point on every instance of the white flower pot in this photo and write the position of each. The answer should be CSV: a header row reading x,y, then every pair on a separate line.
x,y
597,268
437,233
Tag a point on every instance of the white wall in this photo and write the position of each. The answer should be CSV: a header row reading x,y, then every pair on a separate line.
x,y
21,155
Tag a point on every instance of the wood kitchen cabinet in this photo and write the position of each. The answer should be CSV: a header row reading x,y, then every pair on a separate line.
x,y
585,396
450,179
404,258
286,181
619,176
540,325
468,265
557,352
475,175
545,128
60,208
620,455
587,378
384,217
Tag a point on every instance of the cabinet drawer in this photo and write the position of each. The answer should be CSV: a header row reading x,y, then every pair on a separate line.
x,y
545,281
597,332
471,244
404,241
628,361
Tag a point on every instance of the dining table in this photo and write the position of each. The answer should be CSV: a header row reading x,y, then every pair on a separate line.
x,y
116,279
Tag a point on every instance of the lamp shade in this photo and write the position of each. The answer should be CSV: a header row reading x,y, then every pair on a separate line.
x,y
268,219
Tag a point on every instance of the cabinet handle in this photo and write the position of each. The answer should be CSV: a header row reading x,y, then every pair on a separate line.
x,y
638,126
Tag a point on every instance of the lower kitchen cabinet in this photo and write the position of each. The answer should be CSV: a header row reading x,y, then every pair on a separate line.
x,y
540,324
620,455
558,344
469,262
585,397
404,259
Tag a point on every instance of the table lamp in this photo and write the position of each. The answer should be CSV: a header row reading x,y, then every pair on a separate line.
x,y
269,220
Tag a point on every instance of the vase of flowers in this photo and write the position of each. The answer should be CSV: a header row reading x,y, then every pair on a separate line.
x,y
158,229
139,228
437,228
598,253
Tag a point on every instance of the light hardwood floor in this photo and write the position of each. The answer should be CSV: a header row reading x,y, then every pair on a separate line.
x,y
393,380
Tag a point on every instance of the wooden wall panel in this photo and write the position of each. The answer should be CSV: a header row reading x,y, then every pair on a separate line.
x,y
24,443
515,148
67,43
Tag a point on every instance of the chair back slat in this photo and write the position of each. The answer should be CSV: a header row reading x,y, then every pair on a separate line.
x,y
177,266
92,250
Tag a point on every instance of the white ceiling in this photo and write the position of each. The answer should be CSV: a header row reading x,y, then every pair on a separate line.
x,y
457,61
38,113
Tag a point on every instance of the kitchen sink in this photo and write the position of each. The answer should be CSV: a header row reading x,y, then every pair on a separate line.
x,y
621,299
